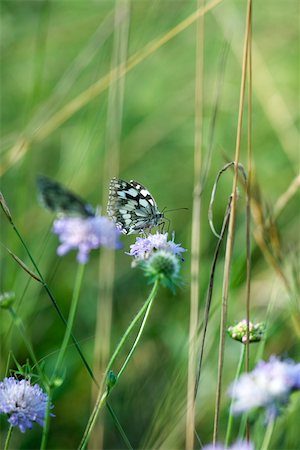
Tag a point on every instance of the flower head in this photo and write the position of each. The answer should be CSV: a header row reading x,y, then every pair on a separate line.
x,y
158,257
23,402
85,234
268,386
238,332
144,247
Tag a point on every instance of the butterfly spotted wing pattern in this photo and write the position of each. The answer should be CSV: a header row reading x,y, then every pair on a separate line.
x,y
132,206
59,199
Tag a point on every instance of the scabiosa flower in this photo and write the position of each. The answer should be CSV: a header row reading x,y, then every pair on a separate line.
x,y
158,257
23,402
144,247
268,386
85,234
238,332
239,445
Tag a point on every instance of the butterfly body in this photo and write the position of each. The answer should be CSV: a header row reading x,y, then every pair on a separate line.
x,y
59,199
132,206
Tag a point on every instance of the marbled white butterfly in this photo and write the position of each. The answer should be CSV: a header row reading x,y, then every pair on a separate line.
x,y
132,206
59,199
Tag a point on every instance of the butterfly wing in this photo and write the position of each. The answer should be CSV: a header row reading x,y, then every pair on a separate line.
x,y
59,199
132,206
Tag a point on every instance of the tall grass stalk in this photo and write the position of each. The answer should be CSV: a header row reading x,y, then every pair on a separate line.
x,y
196,234
109,170
231,228
248,200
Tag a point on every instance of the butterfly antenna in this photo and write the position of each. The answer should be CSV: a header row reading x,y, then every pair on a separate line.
x,y
177,209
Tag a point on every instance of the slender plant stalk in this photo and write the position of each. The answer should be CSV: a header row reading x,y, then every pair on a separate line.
x,y
63,348
47,420
7,440
136,339
248,201
231,228
230,418
110,169
45,286
71,318
268,435
19,324
196,233
101,399
119,426
210,292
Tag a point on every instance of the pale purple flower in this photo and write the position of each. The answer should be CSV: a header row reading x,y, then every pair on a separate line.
x,y
268,386
85,234
238,445
145,246
23,402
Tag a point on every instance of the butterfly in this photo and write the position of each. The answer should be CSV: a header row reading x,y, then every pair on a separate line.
x,y
132,207
59,199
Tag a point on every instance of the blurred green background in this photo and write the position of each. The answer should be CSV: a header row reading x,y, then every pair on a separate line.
x,y
52,52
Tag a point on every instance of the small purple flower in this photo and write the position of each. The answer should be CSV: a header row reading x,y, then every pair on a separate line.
x,y
23,402
239,445
268,386
85,234
144,247
158,257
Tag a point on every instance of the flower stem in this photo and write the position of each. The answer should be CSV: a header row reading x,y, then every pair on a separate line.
x,y
137,338
102,397
53,300
73,309
230,418
47,420
132,325
268,434
19,324
8,437
119,426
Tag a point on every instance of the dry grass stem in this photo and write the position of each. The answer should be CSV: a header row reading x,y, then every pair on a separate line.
x,y
231,227
196,234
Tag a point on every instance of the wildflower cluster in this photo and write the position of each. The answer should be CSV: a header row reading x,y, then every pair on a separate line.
x,y
158,257
238,332
268,386
23,402
85,234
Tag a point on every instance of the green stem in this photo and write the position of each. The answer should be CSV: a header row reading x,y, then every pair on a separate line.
x,y
230,418
119,426
19,324
137,338
54,302
47,420
102,397
71,318
132,325
8,437
63,348
268,434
